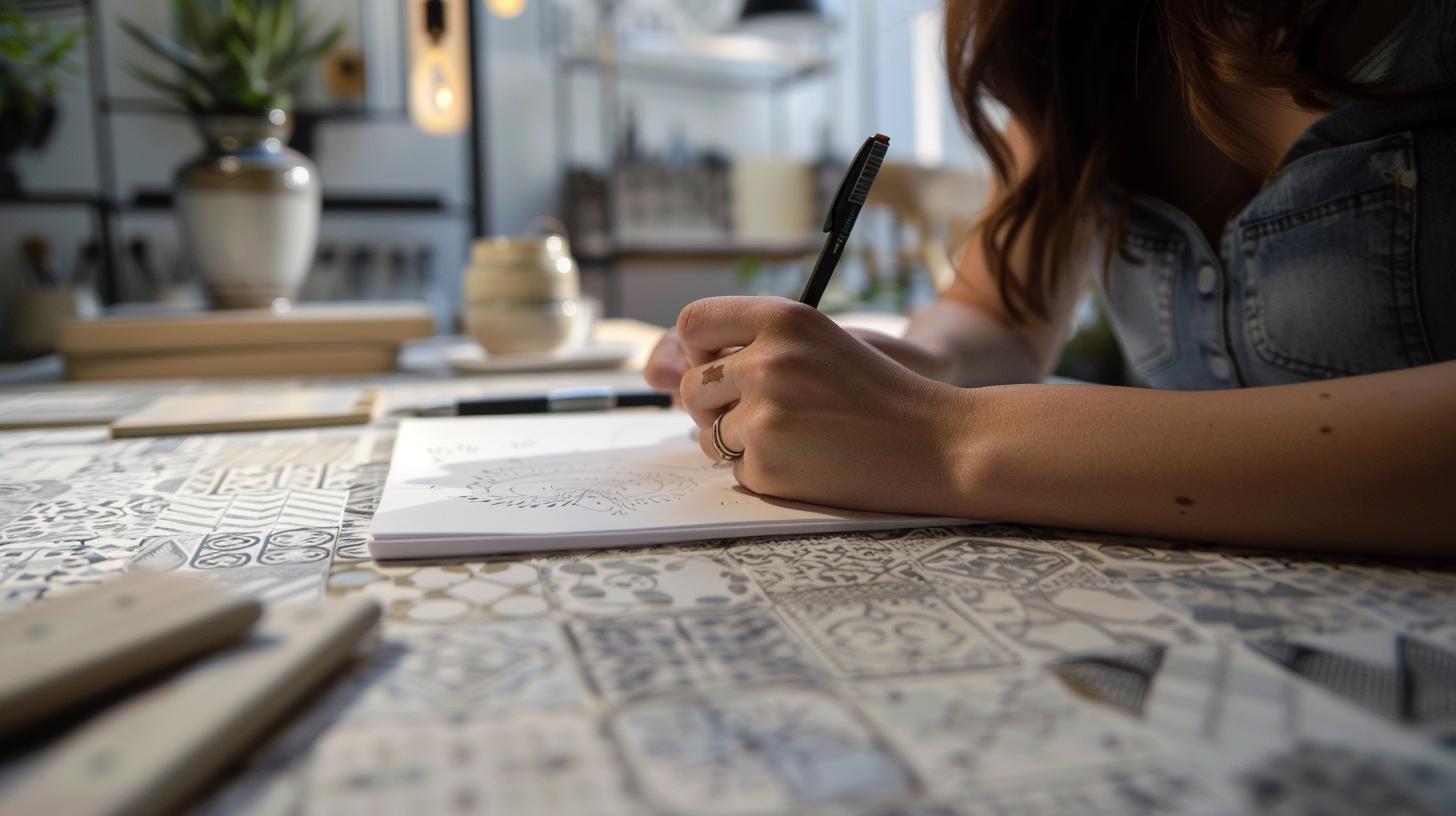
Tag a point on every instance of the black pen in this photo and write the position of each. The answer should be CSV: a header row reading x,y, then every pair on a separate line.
x,y
842,213
560,399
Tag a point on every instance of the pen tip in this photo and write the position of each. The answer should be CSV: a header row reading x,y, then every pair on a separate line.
x,y
880,137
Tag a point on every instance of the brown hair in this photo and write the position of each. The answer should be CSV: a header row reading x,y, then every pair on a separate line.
x,y
1070,70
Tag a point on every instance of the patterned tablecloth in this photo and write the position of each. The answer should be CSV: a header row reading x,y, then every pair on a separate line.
x,y
975,670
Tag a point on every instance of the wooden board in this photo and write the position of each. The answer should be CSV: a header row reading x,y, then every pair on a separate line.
x,y
67,650
254,410
149,753
274,361
302,326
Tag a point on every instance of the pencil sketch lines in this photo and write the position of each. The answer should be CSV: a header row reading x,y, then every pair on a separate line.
x,y
600,488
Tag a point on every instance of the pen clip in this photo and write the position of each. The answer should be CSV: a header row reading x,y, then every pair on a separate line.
x,y
846,187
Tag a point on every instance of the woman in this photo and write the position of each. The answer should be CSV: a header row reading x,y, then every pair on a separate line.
x,y
1266,192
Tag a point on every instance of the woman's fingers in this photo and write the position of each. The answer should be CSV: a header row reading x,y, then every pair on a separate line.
x,y
732,435
666,365
706,327
707,390
712,385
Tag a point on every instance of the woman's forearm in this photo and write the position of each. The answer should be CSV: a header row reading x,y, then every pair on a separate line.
x,y
1362,463
974,348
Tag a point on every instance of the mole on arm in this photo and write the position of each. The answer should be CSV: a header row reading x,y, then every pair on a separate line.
x,y
1325,429
1324,395
1183,501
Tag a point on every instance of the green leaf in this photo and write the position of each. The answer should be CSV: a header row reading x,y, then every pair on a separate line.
x,y
316,50
291,71
290,77
283,27
301,35
176,90
263,26
199,98
254,82
190,24
243,13
58,50
263,39
170,51
235,54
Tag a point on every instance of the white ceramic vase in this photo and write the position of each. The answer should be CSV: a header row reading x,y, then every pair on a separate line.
x,y
250,210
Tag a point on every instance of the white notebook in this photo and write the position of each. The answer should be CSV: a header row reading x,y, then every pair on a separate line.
x,y
478,485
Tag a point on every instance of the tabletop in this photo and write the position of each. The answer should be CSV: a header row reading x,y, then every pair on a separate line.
x,y
961,670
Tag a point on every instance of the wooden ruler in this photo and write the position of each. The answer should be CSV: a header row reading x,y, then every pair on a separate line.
x,y
68,650
149,753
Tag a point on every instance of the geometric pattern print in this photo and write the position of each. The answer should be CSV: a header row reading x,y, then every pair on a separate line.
x,y
910,673
288,527
1418,687
72,521
317,453
252,512
284,546
233,481
291,509
1119,680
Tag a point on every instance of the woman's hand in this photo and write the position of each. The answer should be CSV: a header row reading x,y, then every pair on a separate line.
x,y
668,363
820,415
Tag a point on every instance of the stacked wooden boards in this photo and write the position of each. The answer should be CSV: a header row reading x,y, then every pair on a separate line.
x,y
305,340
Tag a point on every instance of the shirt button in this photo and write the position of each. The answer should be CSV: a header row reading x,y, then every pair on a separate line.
x,y
1207,279
1219,365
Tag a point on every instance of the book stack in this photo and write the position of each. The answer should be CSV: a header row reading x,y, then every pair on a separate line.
x,y
306,340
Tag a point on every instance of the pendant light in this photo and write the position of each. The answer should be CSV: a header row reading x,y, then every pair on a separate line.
x,y
506,9
439,90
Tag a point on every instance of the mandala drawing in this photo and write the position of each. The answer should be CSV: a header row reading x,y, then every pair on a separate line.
x,y
600,488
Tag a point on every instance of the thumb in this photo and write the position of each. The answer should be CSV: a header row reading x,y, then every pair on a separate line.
x,y
666,365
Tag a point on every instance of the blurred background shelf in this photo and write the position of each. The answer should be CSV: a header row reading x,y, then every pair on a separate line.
x,y
51,199
722,251
728,61
335,202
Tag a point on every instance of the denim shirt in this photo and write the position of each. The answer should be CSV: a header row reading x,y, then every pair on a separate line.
x,y
1343,264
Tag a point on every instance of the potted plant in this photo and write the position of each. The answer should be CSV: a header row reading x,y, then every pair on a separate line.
x,y
32,57
249,205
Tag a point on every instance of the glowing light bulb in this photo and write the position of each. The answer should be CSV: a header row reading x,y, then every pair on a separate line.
x,y
435,90
506,8
444,98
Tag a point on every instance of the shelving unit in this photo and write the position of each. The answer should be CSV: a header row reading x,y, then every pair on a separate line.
x,y
720,61
726,62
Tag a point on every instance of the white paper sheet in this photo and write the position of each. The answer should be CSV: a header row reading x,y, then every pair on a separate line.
x,y
476,485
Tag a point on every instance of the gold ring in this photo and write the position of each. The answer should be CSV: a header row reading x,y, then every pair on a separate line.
x,y
728,454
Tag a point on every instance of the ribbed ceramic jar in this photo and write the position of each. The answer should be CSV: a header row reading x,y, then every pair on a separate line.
x,y
522,294
250,210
